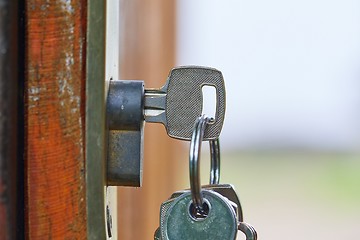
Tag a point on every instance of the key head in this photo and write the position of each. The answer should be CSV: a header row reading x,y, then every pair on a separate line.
x,y
220,223
184,101
226,190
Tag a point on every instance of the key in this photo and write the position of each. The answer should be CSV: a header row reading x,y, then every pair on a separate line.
x,y
179,102
229,192
226,190
178,222
220,188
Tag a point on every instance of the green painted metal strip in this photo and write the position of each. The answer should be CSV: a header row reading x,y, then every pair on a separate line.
x,y
95,120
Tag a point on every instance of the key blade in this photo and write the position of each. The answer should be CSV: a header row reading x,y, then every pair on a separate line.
x,y
154,105
153,116
154,100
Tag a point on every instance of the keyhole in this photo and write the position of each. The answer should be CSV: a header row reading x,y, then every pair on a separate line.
x,y
209,101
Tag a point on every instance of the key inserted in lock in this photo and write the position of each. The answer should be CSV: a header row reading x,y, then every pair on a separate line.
x,y
180,101
176,105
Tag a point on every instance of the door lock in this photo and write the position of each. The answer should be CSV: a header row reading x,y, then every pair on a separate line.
x,y
126,129
176,105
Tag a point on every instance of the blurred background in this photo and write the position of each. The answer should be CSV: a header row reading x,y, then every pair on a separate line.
x,y
291,138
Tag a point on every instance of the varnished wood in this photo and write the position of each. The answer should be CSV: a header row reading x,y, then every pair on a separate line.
x,y
55,87
148,52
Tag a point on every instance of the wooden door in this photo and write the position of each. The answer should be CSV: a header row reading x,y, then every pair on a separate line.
x,y
60,95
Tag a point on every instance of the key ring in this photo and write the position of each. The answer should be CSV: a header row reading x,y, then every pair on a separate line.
x,y
214,161
194,156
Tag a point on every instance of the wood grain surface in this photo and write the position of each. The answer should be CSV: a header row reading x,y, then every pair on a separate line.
x,y
55,87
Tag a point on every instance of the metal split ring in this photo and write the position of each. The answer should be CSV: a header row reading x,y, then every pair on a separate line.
x,y
194,163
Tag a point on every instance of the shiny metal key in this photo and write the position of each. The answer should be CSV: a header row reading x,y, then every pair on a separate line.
x,y
226,190
177,222
179,102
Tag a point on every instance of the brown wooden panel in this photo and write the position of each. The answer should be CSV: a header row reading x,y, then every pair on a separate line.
x,y
148,52
55,86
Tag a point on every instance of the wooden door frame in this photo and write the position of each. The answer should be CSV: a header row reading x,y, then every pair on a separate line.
x,y
65,129
64,63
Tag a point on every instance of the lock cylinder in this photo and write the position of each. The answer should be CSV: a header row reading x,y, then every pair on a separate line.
x,y
125,119
125,105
